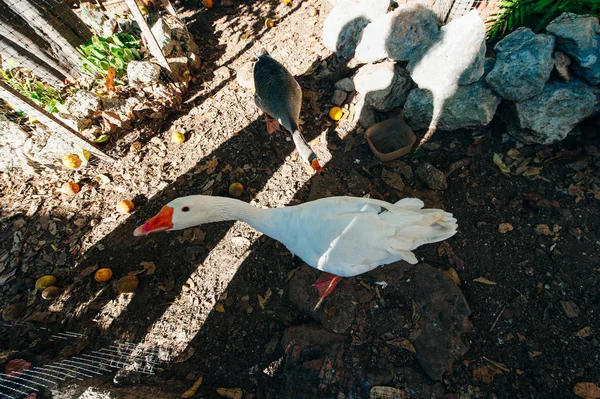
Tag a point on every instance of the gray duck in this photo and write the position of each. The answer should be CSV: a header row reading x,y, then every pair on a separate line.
x,y
279,96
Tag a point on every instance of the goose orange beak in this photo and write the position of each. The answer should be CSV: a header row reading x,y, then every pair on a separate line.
x,y
163,221
315,165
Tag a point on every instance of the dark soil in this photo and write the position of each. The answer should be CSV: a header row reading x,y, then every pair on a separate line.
x,y
234,307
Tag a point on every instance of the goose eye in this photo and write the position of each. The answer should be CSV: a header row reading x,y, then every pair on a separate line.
x,y
185,209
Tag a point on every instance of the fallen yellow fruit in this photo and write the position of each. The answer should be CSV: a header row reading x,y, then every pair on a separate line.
x,y
71,161
177,137
128,284
70,188
269,23
236,189
336,113
125,206
103,275
45,281
287,2
51,293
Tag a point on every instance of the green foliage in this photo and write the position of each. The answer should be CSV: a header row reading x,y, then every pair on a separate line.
x,y
100,54
534,14
34,89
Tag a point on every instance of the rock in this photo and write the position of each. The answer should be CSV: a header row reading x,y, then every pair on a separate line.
x,y
344,24
339,96
431,176
550,116
396,35
384,86
457,57
144,72
523,65
179,65
245,76
579,37
96,20
162,33
347,294
472,105
363,115
345,84
488,65
82,104
444,318
309,335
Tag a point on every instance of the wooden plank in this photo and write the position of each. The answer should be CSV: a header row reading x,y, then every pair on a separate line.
x,y
153,46
26,105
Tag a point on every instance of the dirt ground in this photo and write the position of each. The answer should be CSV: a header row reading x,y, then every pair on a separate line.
x,y
511,301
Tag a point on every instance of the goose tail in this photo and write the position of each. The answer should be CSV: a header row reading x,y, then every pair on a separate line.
x,y
415,226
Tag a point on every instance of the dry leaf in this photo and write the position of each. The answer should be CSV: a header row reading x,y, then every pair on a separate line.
x,y
231,393
543,229
533,354
498,161
150,267
211,166
484,374
189,352
587,390
392,179
584,332
514,153
109,82
453,275
505,227
220,308
387,393
190,392
403,343
261,301
484,280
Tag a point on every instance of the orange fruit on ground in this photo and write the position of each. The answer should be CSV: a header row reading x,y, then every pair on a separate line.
x,y
125,206
207,3
71,161
127,284
70,188
336,113
103,275
236,189
177,137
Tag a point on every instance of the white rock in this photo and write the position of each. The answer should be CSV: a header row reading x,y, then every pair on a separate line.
x,y
144,72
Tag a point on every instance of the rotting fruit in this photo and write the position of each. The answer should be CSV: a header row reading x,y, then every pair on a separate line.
x,y
103,275
127,284
45,281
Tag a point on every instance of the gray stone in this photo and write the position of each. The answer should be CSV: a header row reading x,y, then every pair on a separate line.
x,y
162,33
396,35
488,65
345,84
457,57
344,25
431,176
579,36
384,86
550,116
339,96
144,72
472,105
82,104
523,64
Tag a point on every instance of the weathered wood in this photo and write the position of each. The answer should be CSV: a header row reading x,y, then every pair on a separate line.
x,y
153,46
18,31
18,100
28,60
63,40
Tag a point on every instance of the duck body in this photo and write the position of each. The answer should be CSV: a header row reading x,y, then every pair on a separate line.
x,y
344,236
279,96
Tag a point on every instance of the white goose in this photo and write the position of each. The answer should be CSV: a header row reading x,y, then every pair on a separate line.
x,y
341,236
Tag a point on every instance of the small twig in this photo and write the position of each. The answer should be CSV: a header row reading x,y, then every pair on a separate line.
x,y
497,318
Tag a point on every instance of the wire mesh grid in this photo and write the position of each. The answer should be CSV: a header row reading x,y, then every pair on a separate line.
x,y
87,70
23,376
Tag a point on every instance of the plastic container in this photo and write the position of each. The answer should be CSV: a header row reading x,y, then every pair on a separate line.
x,y
390,139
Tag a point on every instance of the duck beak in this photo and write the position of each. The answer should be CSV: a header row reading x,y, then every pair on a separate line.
x,y
163,221
315,165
